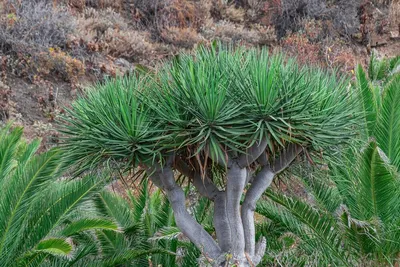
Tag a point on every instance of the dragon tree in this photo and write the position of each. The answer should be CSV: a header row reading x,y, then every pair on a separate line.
x,y
229,120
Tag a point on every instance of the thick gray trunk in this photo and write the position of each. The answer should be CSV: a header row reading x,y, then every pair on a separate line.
x,y
221,223
208,189
252,154
236,181
260,183
164,178
234,224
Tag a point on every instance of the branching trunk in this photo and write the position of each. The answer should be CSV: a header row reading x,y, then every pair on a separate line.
x,y
164,178
234,224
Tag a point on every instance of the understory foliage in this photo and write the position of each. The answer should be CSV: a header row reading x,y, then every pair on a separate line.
x,y
354,218
47,220
222,118
35,203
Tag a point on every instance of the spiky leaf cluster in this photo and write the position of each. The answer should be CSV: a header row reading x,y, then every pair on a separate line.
x,y
217,100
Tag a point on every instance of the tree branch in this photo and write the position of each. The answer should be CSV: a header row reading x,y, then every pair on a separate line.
x,y
252,153
286,157
260,183
221,223
208,189
186,223
236,181
205,186
260,251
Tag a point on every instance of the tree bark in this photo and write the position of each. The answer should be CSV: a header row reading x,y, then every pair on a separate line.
x,y
164,178
208,189
260,183
236,181
234,224
252,154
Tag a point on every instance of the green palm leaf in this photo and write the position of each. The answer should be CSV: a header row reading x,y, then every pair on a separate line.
x,y
368,100
20,191
54,246
89,224
322,225
388,128
377,186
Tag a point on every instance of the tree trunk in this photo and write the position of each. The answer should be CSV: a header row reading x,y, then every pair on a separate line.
x,y
234,224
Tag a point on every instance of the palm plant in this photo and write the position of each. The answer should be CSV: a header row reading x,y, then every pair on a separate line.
x,y
35,202
354,218
356,213
47,220
149,227
243,114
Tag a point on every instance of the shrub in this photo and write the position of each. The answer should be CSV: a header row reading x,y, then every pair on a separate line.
x,y
183,37
299,46
28,33
107,32
339,56
228,32
60,62
131,45
5,93
292,13
29,27
344,15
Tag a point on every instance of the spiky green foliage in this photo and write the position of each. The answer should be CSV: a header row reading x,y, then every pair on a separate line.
x,y
387,132
147,227
382,70
359,199
219,99
40,222
379,91
34,202
364,229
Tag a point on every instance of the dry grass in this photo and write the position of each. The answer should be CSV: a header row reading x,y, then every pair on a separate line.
x,y
27,27
107,32
182,37
99,4
299,46
229,32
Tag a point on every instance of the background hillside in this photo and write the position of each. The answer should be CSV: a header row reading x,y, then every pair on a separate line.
x,y
51,49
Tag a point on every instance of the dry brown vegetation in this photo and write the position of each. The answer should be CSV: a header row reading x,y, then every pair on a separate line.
x,y
59,46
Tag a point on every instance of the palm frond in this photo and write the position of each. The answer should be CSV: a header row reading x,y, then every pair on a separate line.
x,y
106,201
388,128
378,195
368,100
359,235
54,246
327,196
89,224
321,225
